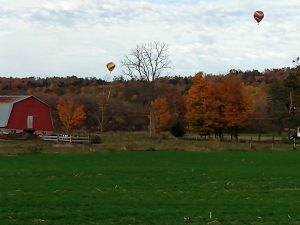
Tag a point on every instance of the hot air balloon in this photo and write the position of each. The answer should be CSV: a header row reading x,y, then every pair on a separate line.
x,y
110,66
258,16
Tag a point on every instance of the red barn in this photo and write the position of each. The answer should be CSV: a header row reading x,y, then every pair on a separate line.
x,y
24,113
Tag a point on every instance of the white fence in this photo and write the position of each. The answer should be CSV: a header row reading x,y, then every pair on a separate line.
x,y
67,138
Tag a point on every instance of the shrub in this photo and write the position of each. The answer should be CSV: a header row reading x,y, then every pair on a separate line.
x,y
178,129
95,139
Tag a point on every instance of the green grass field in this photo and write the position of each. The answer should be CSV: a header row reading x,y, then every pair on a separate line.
x,y
140,141
148,188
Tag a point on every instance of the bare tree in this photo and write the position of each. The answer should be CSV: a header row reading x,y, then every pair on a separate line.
x,y
147,62
104,100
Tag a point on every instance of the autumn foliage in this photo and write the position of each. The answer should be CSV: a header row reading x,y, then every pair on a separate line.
x,y
216,103
197,104
70,114
161,113
168,109
238,104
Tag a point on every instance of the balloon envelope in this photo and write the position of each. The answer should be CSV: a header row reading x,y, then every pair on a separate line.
x,y
258,16
110,66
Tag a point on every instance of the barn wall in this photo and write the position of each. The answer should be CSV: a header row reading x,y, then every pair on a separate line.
x,y
30,107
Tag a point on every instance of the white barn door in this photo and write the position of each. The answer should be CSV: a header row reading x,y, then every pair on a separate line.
x,y
29,122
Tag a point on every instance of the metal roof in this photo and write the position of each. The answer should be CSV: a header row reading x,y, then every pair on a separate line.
x,y
6,105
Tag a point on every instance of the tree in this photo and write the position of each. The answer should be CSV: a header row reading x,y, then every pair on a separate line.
x,y
176,105
238,104
197,104
104,100
168,109
215,106
216,103
278,104
162,116
91,108
70,114
260,120
147,62
205,104
178,129
292,85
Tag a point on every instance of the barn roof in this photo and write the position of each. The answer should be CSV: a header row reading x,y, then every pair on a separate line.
x,y
6,105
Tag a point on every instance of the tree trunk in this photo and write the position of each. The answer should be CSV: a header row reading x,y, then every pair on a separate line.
x,y
152,124
259,136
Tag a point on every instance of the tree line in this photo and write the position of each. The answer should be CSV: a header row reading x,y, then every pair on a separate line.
x,y
142,97
209,104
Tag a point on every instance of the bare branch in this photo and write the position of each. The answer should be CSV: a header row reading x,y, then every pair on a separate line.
x,y
146,62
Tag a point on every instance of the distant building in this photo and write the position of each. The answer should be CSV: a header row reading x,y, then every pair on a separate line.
x,y
24,114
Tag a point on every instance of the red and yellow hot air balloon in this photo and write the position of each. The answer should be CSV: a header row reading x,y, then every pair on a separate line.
x,y
258,16
110,66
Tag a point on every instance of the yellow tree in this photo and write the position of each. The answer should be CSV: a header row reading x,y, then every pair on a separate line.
x,y
70,114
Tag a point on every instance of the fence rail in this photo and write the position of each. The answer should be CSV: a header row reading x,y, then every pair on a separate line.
x,y
64,138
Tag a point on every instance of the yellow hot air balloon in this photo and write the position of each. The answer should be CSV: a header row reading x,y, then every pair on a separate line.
x,y
110,66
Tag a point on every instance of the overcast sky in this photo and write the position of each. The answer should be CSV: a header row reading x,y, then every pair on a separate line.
x,y
78,37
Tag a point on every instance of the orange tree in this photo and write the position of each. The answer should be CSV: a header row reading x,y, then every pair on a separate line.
x,y
197,104
215,103
70,114
238,104
168,110
162,116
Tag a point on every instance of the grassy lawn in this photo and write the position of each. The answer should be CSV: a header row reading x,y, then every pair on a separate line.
x,y
140,141
148,188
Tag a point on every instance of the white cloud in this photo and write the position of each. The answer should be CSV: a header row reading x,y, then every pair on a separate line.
x,y
211,36
66,5
84,52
